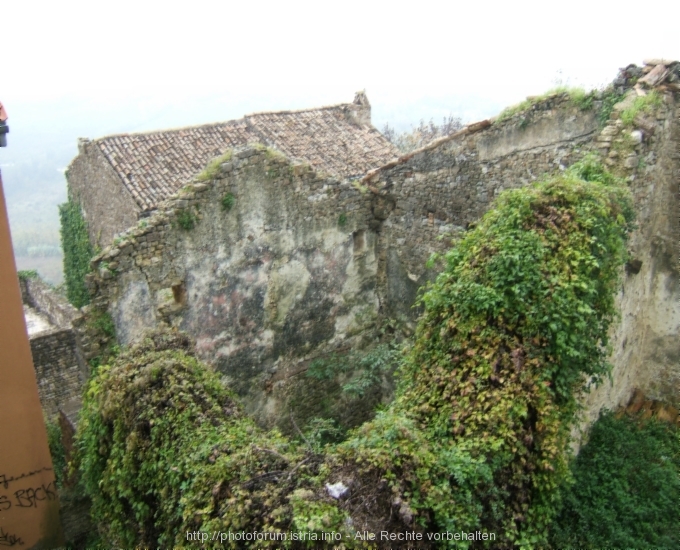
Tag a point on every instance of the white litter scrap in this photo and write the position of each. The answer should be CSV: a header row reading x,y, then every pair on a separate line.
x,y
337,490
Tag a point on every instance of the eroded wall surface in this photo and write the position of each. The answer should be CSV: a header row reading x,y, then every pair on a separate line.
x,y
645,343
261,280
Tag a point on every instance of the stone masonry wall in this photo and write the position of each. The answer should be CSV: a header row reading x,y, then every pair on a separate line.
x,y
92,182
287,271
442,189
435,194
60,369
60,381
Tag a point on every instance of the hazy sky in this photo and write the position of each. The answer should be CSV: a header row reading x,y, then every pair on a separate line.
x,y
72,68
473,58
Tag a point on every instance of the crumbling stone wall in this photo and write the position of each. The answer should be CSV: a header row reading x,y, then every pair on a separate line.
x,y
59,366
303,263
432,195
438,191
107,206
263,284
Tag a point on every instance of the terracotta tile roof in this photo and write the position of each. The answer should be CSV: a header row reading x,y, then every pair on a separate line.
x,y
333,139
325,138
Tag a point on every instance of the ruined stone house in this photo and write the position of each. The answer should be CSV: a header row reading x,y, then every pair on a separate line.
x,y
308,257
119,179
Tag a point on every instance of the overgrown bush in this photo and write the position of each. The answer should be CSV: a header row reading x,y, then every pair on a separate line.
x,y
626,488
163,449
512,328
78,251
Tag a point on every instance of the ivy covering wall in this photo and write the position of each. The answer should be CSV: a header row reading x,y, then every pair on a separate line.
x,y
78,251
476,439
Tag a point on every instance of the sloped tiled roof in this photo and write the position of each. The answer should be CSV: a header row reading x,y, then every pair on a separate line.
x,y
155,165
324,138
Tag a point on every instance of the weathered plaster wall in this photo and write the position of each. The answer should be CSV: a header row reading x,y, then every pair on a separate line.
x,y
646,346
290,268
92,182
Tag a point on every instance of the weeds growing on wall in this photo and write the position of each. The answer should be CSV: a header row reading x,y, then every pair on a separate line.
x,y
578,96
57,451
476,438
186,219
642,104
77,252
228,201
26,274
212,170
626,488
609,98
100,325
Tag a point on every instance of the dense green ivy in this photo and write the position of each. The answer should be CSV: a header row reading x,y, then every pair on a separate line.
x,y
476,439
513,327
626,488
163,449
78,252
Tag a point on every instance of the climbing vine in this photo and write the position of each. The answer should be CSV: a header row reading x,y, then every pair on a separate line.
x,y
77,252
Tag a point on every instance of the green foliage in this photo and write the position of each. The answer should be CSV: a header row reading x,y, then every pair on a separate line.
x,y
102,322
77,252
590,168
626,488
578,96
212,171
57,451
186,219
228,202
100,325
365,369
163,449
641,104
27,274
342,220
609,98
320,432
512,329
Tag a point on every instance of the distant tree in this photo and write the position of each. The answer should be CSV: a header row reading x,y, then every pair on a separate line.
x,y
423,134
